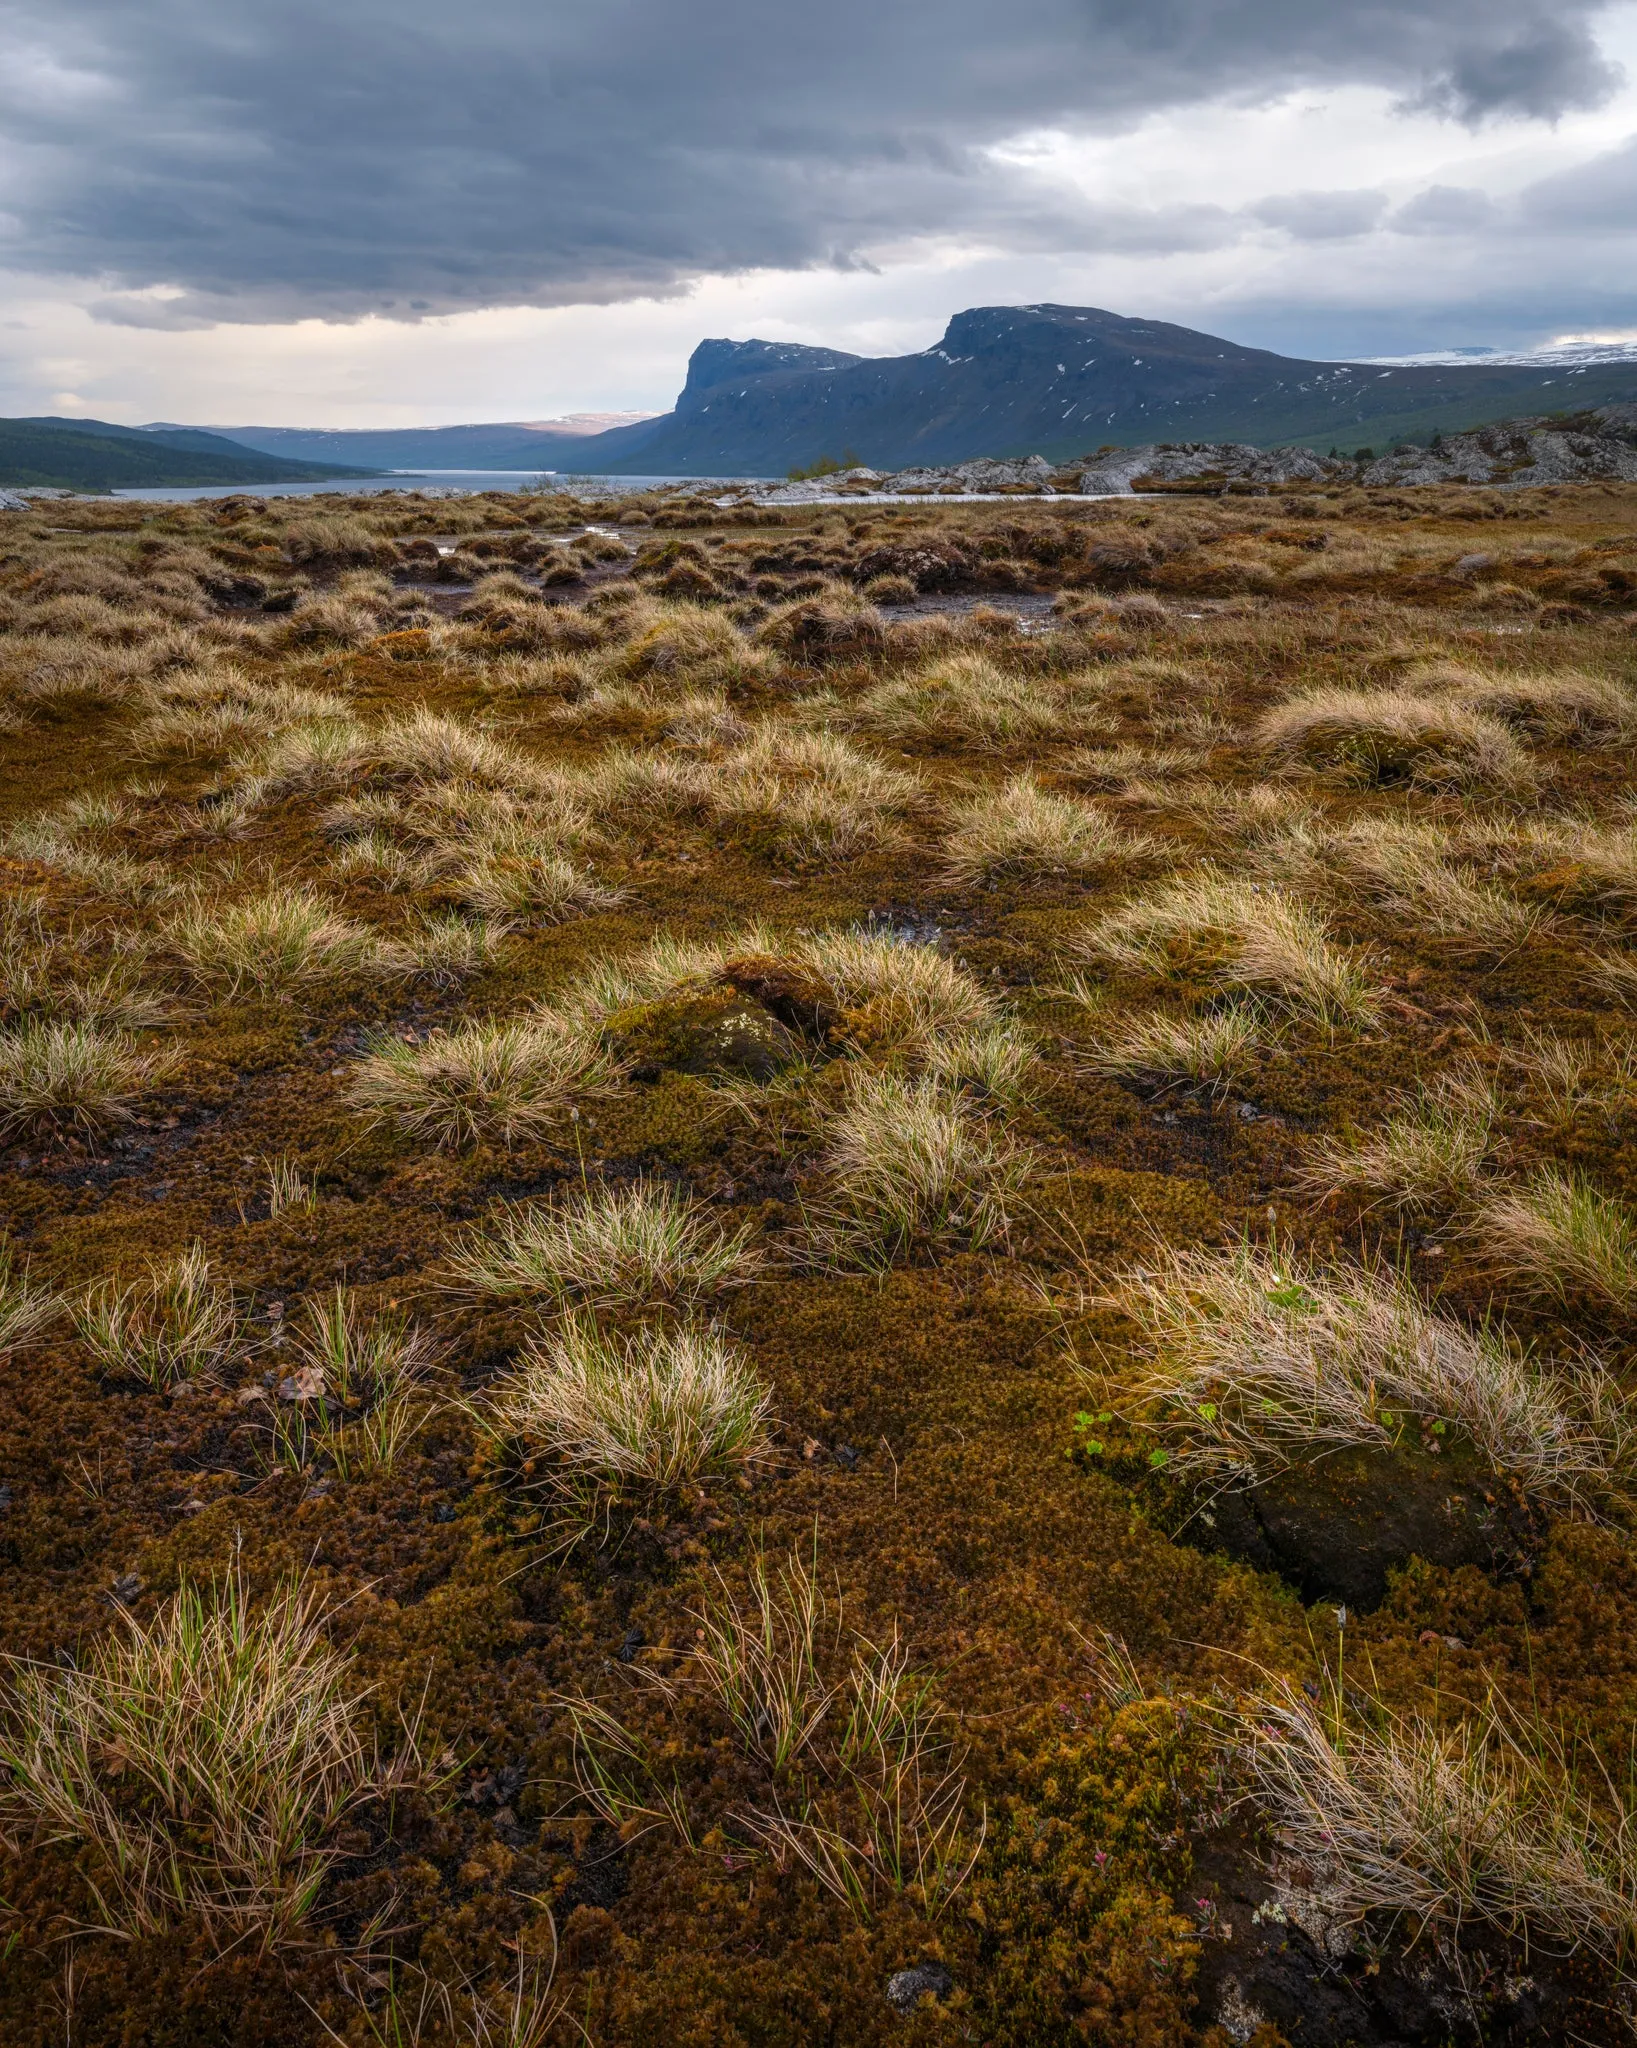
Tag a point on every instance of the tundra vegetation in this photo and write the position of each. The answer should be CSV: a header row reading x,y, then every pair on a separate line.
x,y
853,1274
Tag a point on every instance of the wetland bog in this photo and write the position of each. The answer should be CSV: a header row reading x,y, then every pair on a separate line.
x,y
831,1274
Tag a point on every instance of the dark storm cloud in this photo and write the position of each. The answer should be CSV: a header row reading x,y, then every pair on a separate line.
x,y
338,157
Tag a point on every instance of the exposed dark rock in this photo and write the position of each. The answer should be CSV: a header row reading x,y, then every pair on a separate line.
x,y
1336,1528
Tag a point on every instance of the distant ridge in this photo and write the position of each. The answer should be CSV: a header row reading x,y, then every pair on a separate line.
x,y
503,444
96,455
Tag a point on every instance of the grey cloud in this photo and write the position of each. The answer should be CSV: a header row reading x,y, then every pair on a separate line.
x,y
1445,210
406,156
1600,194
1321,216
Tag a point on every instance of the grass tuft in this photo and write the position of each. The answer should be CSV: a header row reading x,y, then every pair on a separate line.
x,y
201,1763
647,1413
479,1081
1255,1362
610,1247
56,1079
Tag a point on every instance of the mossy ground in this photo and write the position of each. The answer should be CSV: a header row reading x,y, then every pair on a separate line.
x,y
924,1420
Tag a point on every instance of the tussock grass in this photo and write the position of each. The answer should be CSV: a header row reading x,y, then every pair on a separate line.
x,y
1214,1049
689,645
1493,1820
1565,709
1363,738
362,1381
995,1060
288,1189
870,990
1406,869
219,710
970,697
816,794
610,1247
646,1413
1022,829
1242,937
1558,1236
1255,1362
200,1763
536,884
908,1163
446,950
1431,1156
169,1327
281,939
54,972
56,1079
480,1081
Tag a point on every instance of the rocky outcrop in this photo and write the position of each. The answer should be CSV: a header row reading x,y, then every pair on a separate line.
x,y
1198,464
1600,447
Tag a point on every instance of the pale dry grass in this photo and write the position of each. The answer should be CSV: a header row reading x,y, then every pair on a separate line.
x,y
173,1325
645,1413
58,1079
1243,937
480,1081
1492,1820
608,1247
282,939
1431,1156
1213,1049
1255,1361
1558,1236
1368,737
971,698
1022,828
201,1764
908,1163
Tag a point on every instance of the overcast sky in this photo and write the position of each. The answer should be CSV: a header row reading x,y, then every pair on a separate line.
x,y
350,212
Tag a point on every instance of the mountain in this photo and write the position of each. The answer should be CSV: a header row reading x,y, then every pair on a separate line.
x,y
502,444
96,455
1058,381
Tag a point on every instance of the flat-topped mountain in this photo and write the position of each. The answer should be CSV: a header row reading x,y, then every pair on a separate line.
x,y
1060,381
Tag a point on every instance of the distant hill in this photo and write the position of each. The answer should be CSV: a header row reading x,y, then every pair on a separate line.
x,y
96,455
1060,381
504,444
